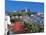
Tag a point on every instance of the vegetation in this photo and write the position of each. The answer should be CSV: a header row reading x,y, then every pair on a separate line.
x,y
33,27
20,13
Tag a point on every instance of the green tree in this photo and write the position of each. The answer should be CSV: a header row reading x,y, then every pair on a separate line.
x,y
29,13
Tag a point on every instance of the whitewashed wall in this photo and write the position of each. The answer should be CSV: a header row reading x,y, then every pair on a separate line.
x,y
7,21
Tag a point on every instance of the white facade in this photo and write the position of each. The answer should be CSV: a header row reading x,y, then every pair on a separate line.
x,y
7,22
32,15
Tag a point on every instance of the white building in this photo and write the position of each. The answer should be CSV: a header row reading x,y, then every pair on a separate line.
x,y
7,22
7,19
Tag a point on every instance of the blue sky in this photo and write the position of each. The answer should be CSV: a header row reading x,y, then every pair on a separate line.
x,y
16,5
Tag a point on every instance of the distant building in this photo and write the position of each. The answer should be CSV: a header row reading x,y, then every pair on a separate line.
x,y
16,17
23,10
27,10
32,15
